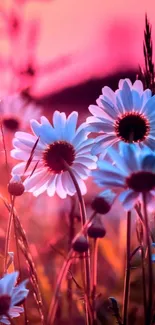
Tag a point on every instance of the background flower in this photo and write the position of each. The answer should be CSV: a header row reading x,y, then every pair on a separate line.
x,y
16,112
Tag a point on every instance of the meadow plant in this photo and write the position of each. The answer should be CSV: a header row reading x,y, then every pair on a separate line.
x,y
59,157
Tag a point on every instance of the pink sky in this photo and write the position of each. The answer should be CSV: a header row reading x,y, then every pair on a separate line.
x,y
81,38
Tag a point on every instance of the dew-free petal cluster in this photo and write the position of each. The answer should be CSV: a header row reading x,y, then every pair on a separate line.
x,y
124,115
16,295
59,141
132,172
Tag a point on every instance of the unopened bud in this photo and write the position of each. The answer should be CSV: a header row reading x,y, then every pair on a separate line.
x,y
80,244
96,229
15,186
103,202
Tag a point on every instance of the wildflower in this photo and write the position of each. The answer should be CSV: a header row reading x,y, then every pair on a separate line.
x,y
16,112
57,145
15,186
11,296
80,244
124,115
103,202
133,172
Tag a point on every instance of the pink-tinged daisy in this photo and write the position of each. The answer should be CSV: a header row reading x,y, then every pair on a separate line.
x,y
128,114
11,296
133,172
16,112
57,143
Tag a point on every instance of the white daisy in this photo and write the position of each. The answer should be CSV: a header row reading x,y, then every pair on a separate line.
x,y
57,143
11,296
133,172
128,114
16,112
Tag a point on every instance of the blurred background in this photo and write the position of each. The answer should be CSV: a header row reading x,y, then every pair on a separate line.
x,y
58,55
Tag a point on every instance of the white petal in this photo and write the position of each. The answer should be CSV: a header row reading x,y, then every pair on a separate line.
x,y
70,127
121,83
129,152
8,282
148,108
68,184
126,96
138,86
59,188
32,181
59,121
109,93
128,199
146,96
96,111
24,155
118,160
51,186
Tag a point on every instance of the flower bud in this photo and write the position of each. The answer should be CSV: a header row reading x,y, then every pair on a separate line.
x,y
103,202
96,229
15,186
80,244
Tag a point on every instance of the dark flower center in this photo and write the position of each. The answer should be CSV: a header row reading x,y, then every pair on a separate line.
x,y
132,126
11,124
141,181
55,155
5,301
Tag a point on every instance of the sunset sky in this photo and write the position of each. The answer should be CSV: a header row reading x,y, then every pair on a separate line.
x,y
74,40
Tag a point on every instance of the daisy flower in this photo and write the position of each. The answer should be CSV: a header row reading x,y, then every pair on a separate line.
x,y
16,112
57,143
11,296
128,114
133,172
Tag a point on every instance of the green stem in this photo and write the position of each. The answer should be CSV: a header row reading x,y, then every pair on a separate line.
x,y
150,271
94,277
144,282
7,240
127,275
83,221
63,271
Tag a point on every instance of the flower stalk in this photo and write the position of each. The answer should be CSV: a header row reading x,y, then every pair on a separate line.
x,y
8,233
150,270
127,275
94,277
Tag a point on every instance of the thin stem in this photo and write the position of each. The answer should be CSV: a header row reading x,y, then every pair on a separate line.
x,y
7,240
144,282
94,276
70,239
19,264
83,221
142,220
63,272
127,275
150,271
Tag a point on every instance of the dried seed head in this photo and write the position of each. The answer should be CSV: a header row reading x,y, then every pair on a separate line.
x,y
80,244
103,202
96,229
15,186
